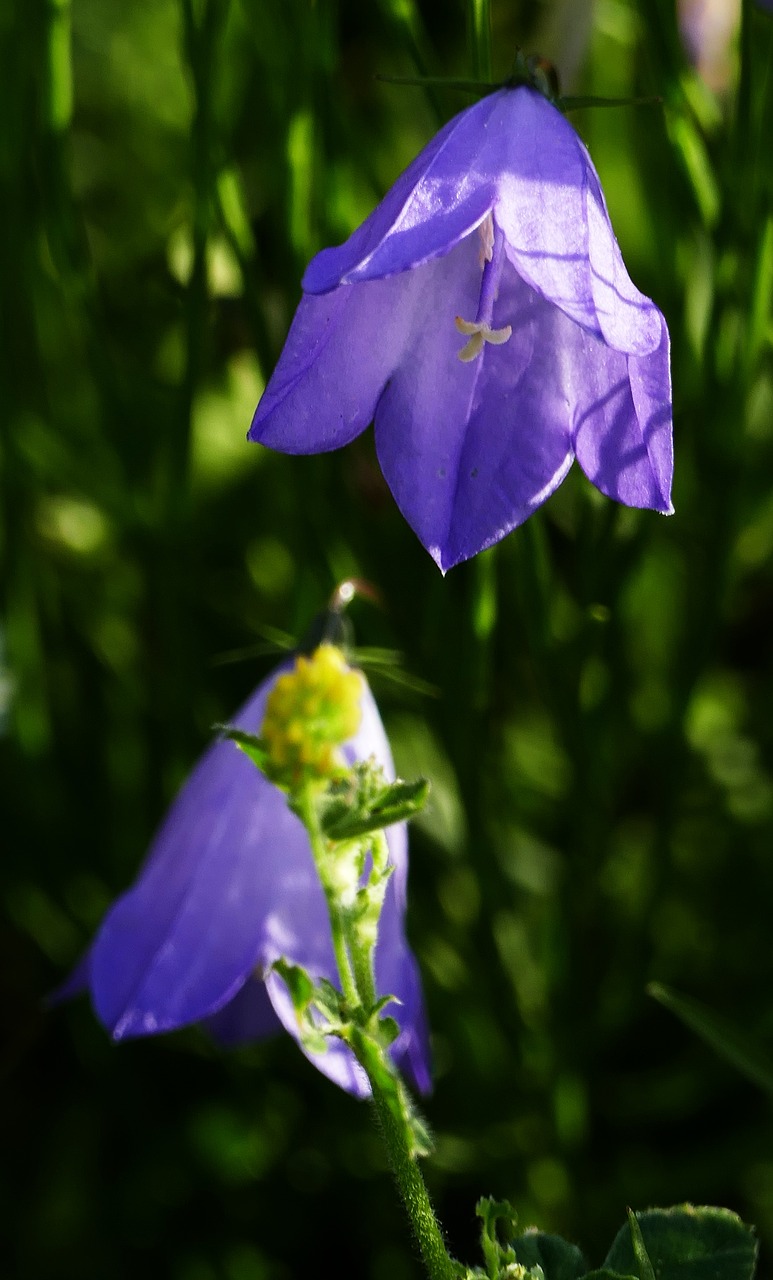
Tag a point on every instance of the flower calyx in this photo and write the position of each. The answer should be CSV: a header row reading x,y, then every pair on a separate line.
x,y
538,73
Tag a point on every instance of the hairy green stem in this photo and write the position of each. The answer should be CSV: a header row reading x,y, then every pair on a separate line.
x,y
308,814
355,970
407,1174
362,953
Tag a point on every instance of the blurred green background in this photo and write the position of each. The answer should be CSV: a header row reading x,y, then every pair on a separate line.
x,y
600,736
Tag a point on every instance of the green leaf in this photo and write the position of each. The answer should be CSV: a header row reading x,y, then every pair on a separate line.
x,y
559,1259
388,1031
395,803
643,1264
687,1243
574,104
298,983
249,743
724,1038
498,1218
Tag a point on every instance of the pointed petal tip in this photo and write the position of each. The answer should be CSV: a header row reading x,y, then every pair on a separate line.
x,y
437,555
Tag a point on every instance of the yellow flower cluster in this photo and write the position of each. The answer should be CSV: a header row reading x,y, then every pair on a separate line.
x,y
310,712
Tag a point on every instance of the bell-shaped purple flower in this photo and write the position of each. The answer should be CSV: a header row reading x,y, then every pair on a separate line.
x,y
483,318
229,886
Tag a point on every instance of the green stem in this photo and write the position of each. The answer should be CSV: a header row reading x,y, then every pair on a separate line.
x,y
355,970
362,963
362,951
744,96
480,39
308,814
407,1174
59,81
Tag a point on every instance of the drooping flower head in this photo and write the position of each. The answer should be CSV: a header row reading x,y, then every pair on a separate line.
x,y
230,887
483,318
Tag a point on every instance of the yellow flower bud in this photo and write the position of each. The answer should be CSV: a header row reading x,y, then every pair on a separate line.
x,y
311,711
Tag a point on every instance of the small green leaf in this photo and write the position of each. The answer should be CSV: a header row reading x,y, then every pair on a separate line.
x,y
724,1038
498,1218
395,803
249,743
388,1031
298,983
643,1264
687,1243
558,1259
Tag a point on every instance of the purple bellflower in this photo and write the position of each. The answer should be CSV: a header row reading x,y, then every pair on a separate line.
x,y
483,318
229,887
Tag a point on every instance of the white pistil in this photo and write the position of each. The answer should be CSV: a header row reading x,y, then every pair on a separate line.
x,y
479,330
479,333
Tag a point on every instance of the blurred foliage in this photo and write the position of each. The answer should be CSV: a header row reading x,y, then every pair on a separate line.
x,y
601,742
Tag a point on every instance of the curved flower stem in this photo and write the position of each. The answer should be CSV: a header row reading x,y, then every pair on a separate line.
x,y
410,1183
480,39
355,970
308,814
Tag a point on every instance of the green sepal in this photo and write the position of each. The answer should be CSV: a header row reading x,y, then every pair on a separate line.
x,y
348,818
441,82
388,1031
574,104
323,997
298,982
252,746
304,996
558,1259
330,1002
687,1243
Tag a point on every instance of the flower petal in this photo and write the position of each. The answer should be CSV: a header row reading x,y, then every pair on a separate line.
x,y
623,430
397,973
559,238
628,320
438,200
228,864
339,353
249,1016
470,449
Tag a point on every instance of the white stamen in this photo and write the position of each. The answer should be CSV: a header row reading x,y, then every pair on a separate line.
x,y
479,333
